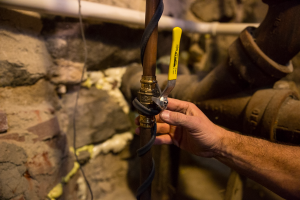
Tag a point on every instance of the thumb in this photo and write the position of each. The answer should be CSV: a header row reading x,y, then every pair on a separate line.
x,y
174,118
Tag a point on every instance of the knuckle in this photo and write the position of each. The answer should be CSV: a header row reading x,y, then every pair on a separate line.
x,y
192,106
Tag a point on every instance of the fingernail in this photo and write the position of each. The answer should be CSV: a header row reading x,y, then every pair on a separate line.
x,y
165,114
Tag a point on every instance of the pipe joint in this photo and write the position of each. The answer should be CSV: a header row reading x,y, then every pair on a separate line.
x,y
146,121
265,63
262,111
148,90
251,64
272,114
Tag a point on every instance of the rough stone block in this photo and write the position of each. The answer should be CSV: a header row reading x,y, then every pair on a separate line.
x,y
179,9
251,11
83,157
46,130
30,170
119,45
13,136
218,10
20,197
24,61
18,98
32,108
98,117
21,21
106,173
3,122
24,58
131,4
66,72
254,11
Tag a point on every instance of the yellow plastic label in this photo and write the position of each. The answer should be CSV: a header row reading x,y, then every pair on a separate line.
x,y
174,53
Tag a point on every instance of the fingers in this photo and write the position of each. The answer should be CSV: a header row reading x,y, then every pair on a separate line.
x,y
176,119
158,120
159,140
178,106
163,139
161,128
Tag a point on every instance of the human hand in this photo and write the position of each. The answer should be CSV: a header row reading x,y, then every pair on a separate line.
x,y
186,126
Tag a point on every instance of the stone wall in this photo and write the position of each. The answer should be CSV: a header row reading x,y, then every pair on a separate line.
x,y
41,61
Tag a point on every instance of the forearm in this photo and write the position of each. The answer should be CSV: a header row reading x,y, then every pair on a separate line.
x,y
273,165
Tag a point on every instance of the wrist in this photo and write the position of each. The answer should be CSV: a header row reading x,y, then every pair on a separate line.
x,y
227,138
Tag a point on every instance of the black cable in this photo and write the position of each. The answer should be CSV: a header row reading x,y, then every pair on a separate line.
x,y
143,109
147,182
143,150
150,27
76,100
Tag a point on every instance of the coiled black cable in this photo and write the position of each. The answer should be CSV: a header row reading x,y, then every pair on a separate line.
x,y
143,109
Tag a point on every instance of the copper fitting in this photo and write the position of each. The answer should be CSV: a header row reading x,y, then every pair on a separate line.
x,y
147,91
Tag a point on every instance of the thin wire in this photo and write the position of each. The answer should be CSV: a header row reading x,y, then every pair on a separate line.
x,y
77,96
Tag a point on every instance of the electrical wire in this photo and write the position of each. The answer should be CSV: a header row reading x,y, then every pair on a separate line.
x,y
77,97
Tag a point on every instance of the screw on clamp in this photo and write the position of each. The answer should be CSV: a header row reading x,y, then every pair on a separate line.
x,y
162,100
